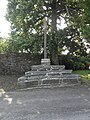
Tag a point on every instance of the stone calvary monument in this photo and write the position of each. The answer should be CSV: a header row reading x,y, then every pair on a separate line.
x,y
46,75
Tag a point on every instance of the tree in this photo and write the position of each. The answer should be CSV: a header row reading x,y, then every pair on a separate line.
x,y
26,17
86,20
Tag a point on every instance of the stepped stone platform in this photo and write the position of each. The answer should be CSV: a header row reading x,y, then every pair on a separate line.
x,y
45,75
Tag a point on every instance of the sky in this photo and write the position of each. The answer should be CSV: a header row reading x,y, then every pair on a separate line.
x,y
4,24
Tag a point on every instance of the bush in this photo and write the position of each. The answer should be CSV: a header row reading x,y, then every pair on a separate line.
x,y
78,66
75,62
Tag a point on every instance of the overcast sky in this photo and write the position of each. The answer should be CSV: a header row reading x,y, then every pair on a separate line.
x,y
4,24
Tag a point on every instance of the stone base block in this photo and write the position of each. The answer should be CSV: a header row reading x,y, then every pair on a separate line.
x,y
45,61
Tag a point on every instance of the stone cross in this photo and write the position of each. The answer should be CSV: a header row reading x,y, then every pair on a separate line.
x,y
45,61
45,38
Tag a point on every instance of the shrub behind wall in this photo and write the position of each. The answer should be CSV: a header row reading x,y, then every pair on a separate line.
x,y
74,62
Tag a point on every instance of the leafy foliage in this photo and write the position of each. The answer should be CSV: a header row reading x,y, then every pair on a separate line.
x,y
85,75
26,17
3,45
75,62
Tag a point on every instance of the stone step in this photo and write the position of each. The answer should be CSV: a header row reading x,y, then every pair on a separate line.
x,y
57,67
53,72
49,80
66,71
44,75
50,76
47,67
35,73
71,76
40,67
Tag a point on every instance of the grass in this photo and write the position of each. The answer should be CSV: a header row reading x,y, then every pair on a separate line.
x,y
85,75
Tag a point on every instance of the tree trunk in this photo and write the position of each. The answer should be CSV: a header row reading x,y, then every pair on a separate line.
x,y
54,52
54,16
54,58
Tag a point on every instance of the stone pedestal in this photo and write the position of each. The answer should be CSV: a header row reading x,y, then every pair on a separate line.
x,y
45,61
45,75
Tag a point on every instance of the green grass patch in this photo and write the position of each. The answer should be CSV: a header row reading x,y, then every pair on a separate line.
x,y
85,75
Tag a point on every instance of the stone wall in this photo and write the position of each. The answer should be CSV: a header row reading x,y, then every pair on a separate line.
x,y
17,63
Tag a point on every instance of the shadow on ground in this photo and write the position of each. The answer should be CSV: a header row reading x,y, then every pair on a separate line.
x,y
8,82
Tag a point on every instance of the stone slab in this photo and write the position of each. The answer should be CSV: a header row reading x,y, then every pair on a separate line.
x,y
57,67
45,61
40,67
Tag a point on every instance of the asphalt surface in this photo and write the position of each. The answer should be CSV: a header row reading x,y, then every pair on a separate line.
x,y
68,103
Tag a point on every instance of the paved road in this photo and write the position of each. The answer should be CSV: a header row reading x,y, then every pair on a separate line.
x,y
70,103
